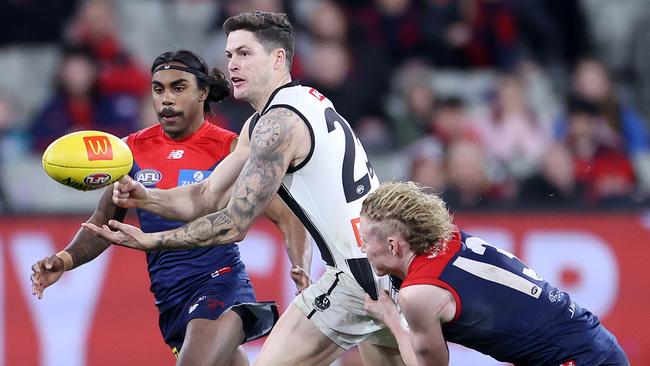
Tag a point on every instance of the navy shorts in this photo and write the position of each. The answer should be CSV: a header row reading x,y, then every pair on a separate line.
x,y
215,294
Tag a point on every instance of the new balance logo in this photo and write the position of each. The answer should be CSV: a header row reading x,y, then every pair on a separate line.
x,y
175,154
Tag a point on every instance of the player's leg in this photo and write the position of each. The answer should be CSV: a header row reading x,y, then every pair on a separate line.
x,y
239,358
213,342
374,354
296,341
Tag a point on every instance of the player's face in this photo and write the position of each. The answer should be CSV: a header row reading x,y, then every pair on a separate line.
x,y
249,65
377,249
176,100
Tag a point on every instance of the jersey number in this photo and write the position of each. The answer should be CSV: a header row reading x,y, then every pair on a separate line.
x,y
497,274
354,189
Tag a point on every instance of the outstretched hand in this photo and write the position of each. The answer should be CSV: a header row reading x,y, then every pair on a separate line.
x,y
383,308
44,273
301,278
125,235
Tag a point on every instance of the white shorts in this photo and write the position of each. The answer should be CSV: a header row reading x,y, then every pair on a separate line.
x,y
334,304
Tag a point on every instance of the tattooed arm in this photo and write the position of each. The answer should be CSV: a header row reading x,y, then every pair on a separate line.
x,y
188,202
83,248
279,139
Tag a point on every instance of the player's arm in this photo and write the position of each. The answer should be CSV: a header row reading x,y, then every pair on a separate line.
x,y
84,247
426,308
275,142
296,238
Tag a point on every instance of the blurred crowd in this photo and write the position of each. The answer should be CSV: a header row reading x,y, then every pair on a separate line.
x,y
492,103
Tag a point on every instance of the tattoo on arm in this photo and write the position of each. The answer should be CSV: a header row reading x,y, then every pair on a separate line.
x,y
272,150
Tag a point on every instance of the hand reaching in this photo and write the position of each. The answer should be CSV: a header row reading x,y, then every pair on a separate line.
x,y
124,235
128,193
301,278
44,273
382,309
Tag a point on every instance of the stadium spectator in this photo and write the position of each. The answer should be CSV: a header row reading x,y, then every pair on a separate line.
x,y
415,103
11,143
591,82
393,25
513,134
468,185
472,33
95,27
78,104
554,185
451,121
427,164
601,165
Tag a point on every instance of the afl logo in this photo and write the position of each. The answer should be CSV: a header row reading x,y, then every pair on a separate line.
x,y
97,179
148,177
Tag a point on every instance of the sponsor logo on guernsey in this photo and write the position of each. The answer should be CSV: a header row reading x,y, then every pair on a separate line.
x,y
175,154
98,148
569,363
190,176
148,177
97,179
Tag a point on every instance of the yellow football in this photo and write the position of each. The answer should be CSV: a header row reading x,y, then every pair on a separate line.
x,y
87,160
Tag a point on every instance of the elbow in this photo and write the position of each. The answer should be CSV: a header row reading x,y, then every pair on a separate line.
x,y
239,236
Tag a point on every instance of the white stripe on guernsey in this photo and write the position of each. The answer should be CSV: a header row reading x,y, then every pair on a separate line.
x,y
498,275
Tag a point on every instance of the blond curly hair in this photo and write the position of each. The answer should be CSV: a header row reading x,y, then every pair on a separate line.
x,y
405,208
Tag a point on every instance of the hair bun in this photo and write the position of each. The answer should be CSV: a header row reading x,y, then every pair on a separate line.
x,y
219,86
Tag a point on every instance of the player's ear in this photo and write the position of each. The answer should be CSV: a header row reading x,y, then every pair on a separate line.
x,y
280,58
203,95
392,246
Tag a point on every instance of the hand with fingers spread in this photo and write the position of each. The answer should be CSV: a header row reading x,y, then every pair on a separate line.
x,y
44,273
128,193
124,235
301,278
383,309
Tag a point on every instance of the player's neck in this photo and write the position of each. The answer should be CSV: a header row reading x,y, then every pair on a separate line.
x,y
406,264
261,102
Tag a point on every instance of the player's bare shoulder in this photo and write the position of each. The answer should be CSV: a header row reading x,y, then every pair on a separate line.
x,y
281,131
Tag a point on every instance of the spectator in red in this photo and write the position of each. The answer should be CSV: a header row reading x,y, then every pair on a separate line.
x,y
78,104
94,27
471,33
392,25
604,170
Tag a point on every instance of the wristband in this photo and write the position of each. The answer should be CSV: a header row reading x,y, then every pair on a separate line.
x,y
67,260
